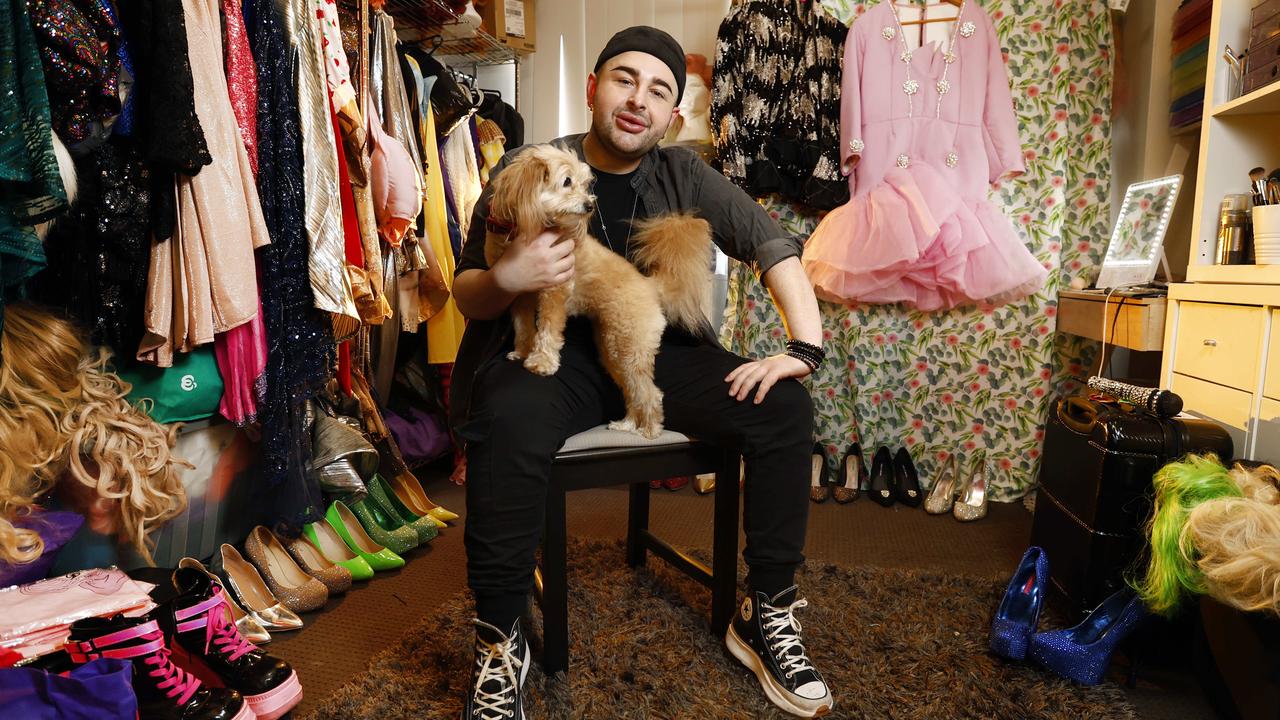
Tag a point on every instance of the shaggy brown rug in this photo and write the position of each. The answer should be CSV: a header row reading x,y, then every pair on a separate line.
x,y
892,644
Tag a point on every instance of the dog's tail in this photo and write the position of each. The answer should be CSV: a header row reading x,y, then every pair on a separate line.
x,y
675,250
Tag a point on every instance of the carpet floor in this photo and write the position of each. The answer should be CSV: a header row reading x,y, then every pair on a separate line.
x,y
896,644
341,639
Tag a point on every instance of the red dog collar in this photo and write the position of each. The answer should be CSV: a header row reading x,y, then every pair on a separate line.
x,y
498,227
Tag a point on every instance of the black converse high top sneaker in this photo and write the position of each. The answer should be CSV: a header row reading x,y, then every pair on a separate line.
x,y
502,661
765,636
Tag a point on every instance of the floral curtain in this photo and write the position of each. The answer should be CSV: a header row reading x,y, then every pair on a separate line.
x,y
975,382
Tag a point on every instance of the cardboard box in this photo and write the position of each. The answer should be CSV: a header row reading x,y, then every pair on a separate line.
x,y
510,21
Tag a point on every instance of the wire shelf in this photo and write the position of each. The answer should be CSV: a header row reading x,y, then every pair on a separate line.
x,y
418,21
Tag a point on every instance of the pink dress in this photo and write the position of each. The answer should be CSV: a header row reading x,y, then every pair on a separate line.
x,y
923,134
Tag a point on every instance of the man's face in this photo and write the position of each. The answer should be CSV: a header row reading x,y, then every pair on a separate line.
x,y
634,101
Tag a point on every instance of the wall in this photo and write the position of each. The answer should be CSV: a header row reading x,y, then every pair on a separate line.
x,y
571,33
1142,145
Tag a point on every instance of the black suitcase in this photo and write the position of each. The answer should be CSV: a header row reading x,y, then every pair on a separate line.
x,y
1095,490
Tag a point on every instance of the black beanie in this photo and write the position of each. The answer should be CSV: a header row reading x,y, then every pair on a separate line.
x,y
649,40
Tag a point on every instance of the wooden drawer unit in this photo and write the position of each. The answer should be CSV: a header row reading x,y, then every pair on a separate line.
x,y
1229,407
1271,386
1219,343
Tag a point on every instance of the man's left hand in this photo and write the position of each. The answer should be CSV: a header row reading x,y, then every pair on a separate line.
x,y
762,374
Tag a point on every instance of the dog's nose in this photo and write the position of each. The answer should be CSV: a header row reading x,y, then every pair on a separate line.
x,y
589,206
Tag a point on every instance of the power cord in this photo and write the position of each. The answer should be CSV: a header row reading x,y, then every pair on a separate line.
x,y
1102,359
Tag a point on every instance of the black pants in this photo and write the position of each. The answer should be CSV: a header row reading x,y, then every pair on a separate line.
x,y
518,421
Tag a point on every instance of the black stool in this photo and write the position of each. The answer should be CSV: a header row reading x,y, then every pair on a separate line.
x,y
601,458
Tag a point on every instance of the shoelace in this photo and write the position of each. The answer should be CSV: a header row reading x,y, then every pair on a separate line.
x,y
501,665
214,615
221,630
174,681
783,634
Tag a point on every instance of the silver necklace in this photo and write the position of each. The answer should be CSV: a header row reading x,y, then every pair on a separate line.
x,y
604,225
910,86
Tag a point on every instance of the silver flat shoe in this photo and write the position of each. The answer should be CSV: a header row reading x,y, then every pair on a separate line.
x,y
258,601
972,504
250,629
942,496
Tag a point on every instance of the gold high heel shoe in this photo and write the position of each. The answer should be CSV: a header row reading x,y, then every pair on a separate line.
x,y
972,504
295,589
250,628
248,585
942,496
410,492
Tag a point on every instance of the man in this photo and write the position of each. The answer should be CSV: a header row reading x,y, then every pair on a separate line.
x,y
513,421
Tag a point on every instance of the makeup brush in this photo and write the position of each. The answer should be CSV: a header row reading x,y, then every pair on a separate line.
x,y
1273,188
1258,185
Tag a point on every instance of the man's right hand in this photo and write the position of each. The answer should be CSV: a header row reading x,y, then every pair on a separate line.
x,y
533,265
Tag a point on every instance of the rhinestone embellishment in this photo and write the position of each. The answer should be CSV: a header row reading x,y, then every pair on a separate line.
x,y
943,86
967,29
910,87
856,146
903,160
905,56
950,57
888,33
952,159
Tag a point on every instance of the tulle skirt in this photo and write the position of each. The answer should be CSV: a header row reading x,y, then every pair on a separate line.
x,y
914,240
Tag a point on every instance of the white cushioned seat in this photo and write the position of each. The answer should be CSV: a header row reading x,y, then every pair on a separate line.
x,y
600,437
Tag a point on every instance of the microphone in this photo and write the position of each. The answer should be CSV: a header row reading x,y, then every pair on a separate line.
x,y
1154,400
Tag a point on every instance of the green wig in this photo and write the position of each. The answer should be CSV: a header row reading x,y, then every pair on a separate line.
x,y
1180,486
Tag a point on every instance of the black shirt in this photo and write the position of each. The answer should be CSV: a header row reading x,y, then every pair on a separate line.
x,y
618,206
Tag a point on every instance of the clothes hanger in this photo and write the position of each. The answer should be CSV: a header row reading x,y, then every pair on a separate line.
x,y
926,21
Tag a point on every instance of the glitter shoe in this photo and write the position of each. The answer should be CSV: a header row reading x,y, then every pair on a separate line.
x,y
1082,653
1019,611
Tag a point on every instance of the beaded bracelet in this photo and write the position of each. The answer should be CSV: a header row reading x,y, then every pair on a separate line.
x,y
808,353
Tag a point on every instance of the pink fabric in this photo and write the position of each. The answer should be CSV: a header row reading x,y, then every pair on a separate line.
x,y
925,235
36,618
397,197
242,351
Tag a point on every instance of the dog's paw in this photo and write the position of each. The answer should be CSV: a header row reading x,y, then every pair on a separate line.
x,y
623,425
542,364
514,355
650,431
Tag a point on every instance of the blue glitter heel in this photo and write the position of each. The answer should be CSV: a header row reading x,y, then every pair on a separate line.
x,y
1019,611
1083,652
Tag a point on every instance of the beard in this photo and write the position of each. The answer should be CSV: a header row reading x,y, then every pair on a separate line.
x,y
623,144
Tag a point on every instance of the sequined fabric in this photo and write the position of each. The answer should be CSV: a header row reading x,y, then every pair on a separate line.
x,y
200,283
165,101
775,109
323,213
300,342
242,78
30,186
78,43
99,251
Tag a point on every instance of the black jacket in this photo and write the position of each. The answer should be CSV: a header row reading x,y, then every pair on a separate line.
x,y
668,180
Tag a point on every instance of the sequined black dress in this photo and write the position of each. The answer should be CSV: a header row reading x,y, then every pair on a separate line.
x,y
775,106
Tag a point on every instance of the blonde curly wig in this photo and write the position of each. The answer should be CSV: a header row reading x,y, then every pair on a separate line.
x,y
1237,540
63,418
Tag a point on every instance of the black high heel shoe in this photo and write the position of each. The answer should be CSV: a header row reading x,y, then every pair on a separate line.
x,y
820,476
853,473
908,480
883,482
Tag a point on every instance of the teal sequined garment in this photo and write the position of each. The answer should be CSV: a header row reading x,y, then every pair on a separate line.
x,y
31,189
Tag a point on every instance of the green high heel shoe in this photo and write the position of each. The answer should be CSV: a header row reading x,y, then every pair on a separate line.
x,y
335,550
380,491
344,522
386,530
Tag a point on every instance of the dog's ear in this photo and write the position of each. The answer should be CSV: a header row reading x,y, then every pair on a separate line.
x,y
517,192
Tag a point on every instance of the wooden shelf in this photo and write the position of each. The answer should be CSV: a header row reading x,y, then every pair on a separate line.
x,y
1242,274
1134,323
1265,100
